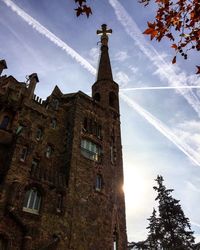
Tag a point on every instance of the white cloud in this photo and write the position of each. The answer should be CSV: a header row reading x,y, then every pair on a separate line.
x,y
122,79
121,56
133,69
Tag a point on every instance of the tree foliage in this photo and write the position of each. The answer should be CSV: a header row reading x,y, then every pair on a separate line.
x,y
82,8
171,229
179,21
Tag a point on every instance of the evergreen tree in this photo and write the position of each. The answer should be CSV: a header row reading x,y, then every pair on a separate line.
x,y
174,228
154,232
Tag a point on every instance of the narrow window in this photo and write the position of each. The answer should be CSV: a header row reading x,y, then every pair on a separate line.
x,y
90,126
55,104
99,183
59,203
49,151
5,122
32,201
34,166
115,240
85,124
97,97
39,134
3,243
24,153
99,131
112,150
54,123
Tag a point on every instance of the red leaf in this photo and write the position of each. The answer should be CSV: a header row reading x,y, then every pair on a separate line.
x,y
174,60
174,46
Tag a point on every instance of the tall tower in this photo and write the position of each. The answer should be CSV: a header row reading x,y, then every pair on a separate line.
x,y
61,173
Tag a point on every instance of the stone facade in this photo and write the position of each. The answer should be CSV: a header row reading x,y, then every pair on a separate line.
x,y
61,172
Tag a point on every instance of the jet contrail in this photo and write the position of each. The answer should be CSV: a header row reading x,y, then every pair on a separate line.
x,y
160,88
48,34
165,70
151,119
163,129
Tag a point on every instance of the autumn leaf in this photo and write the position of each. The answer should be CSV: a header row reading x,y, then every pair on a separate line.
x,y
80,2
174,46
174,60
198,70
79,11
87,10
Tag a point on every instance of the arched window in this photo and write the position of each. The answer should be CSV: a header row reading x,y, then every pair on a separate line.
x,y
99,183
55,104
39,134
112,100
24,153
5,122
59,205
53,123
49,151
32,201
3,243
97,97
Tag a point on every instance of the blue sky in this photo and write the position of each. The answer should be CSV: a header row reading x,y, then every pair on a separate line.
x,y
160,128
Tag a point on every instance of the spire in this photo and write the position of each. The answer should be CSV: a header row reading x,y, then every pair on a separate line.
x,y
104,71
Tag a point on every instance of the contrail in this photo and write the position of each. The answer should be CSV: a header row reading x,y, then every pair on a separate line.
x,y
165,70
48,34
163,129
160,88
152,120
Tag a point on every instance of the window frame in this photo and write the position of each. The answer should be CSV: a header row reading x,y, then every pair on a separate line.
x,y
91,150
32,201
23,154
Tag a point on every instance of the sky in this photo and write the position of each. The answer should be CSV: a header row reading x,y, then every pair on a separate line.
x,y
160,126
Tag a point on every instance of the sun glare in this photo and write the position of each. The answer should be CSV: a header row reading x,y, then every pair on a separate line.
x,y
135,188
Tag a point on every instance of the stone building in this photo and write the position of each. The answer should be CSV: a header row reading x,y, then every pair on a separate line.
x,y
61,172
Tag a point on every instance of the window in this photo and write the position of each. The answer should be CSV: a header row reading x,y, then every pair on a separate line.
x,y
55,104
90,150
5,122
3,243
115,239
99,183
39,134
59,203
24,153
34,165
97,97
53,123
32,201
49,151
99,131
112,100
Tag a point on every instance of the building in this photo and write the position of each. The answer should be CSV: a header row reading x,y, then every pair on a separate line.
x,y
61,172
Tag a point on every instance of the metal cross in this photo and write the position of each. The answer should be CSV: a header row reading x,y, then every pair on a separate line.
x,y
103,33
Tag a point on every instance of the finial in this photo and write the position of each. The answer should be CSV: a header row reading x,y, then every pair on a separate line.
x,y
103,33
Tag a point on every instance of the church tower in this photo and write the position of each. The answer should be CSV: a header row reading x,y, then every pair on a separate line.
x,y
61,173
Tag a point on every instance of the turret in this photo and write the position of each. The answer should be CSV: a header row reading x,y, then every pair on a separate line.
x,y
3,66
33,80
105,90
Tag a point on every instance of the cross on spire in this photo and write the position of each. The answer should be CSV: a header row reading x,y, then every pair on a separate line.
x,y
104,34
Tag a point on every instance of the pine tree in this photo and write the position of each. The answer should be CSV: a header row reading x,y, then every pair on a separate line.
x,y
174,228
154,232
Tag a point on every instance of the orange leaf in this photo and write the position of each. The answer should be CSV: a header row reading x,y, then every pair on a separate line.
x,y
174,46
174,60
